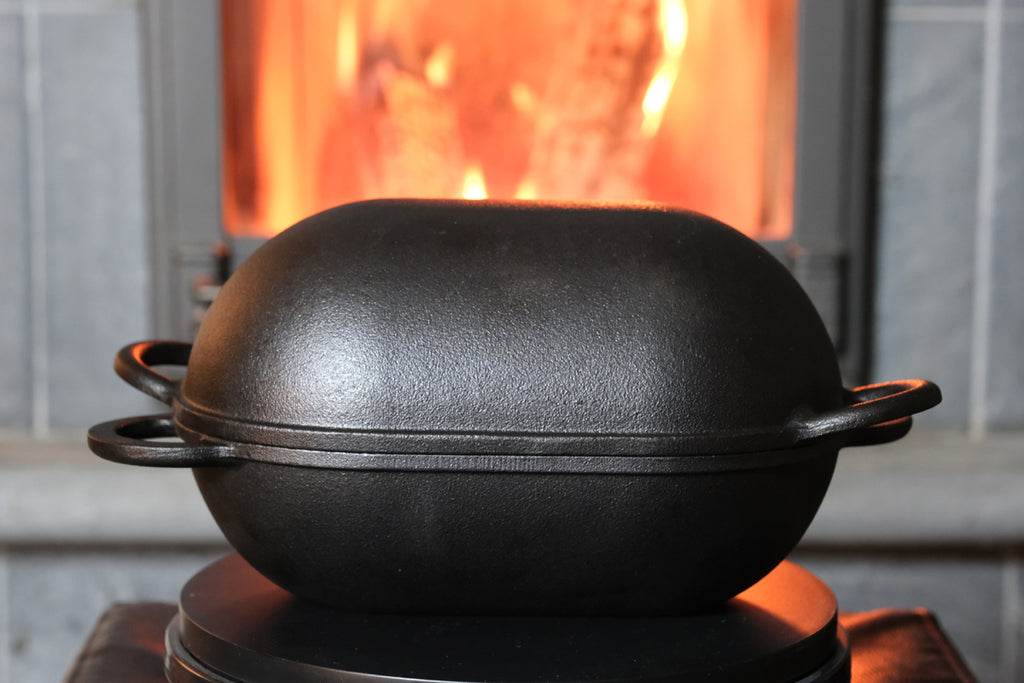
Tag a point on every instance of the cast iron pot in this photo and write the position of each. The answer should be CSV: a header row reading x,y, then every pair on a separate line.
x,y
508,408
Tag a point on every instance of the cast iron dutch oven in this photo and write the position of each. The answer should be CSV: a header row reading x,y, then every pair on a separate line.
x,y
508,408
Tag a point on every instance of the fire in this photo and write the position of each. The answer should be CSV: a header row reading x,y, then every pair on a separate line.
x,y
523,98
674,29
274,112
473,186
655,99
688,102
674,26
347,53
438,67
527,189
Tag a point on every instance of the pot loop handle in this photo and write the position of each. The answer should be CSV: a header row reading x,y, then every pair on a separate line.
x,y
127,441
876,413
134,364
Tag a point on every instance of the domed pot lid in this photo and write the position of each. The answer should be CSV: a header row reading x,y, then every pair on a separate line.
x,y
448,326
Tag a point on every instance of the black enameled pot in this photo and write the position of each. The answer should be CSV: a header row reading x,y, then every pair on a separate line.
x,y
509,408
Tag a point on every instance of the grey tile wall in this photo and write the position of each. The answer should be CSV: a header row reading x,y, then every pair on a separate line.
x,y
98,258
927,210
1005,380
56,597
954,85
74,252
15,376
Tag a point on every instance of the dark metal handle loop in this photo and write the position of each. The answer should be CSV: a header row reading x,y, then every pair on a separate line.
x,y
875,413
134,364
126,441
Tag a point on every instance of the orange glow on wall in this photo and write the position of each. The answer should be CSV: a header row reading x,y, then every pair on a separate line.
x,y
689,102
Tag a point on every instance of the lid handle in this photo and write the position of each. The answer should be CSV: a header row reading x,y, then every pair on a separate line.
x,y
128,441
875,413
134,364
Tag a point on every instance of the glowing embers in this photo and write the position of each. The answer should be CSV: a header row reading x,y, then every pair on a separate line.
x,y
689,102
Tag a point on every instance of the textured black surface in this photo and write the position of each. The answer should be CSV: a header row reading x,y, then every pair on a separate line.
x,y
514,543
444,326
509,408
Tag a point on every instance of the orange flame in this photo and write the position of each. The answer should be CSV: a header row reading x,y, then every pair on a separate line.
x,y
337,100
348,47
438,67
278,172
527,189
674,28
522,98
473,185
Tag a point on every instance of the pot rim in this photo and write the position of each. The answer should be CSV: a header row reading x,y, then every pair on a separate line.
x,y
232,429
871,414
129,441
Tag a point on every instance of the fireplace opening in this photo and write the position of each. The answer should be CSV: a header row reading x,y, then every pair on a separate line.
x,y
760,114
687,102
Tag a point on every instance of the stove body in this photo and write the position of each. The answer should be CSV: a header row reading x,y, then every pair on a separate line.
x,y
234,625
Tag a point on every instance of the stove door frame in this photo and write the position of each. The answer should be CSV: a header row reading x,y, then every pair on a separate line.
x,y
830,250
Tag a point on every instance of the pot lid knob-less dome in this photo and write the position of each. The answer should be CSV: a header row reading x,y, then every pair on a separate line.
x,y
433,326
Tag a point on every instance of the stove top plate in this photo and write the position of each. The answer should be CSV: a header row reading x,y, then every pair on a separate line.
x,y
235,626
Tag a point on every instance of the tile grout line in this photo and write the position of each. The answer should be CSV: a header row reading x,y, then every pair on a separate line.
x,y
981,316
38,275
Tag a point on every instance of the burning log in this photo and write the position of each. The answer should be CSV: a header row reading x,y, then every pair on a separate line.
x,y
415,129
589,141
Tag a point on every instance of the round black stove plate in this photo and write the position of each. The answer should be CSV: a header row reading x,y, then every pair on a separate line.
x,y
235,626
